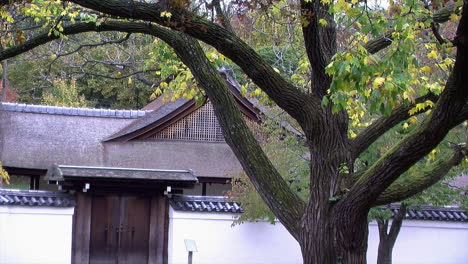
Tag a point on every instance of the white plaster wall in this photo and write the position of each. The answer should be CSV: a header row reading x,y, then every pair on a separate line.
x,y
428,242
33,235
218,242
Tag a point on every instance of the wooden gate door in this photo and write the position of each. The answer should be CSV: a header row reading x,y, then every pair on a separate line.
x,y
119,229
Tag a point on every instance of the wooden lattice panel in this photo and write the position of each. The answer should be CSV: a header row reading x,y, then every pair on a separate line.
x,y
201,125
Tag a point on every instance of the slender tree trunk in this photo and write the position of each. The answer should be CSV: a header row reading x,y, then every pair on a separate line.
x,y
385,252
388,237
4,81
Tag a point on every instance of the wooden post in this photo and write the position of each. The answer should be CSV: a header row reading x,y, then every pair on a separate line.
x,y
190,254
4,81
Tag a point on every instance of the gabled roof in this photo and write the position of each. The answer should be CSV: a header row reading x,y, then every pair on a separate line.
x,y
165,114
35,198
72,111
161,117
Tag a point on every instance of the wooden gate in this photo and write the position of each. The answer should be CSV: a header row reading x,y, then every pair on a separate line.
x,y
120,229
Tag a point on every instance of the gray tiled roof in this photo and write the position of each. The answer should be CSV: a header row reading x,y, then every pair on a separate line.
x,y
452,214
215,204
71,111
219,204
35,198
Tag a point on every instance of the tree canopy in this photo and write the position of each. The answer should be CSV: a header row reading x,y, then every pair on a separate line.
x,y
361,60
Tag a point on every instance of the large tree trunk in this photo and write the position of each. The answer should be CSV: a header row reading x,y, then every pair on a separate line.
x,y
329,239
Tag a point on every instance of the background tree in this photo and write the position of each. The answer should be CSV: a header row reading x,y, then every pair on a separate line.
x,y
331,225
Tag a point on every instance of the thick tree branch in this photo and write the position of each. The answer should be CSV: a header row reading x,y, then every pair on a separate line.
x,y
440,16
286,95
320,42
286,205
419,143
371,133
408,186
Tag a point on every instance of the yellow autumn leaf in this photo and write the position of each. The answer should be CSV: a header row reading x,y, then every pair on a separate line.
x,y
454,17
367,93
257,92
323,22
426,69
158,91
405,125
448,61
413,120
433,55
183,85
163,84
129,80
348,56
378,82
166,14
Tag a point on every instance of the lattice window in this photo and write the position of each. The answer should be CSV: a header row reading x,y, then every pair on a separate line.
x,y
200,125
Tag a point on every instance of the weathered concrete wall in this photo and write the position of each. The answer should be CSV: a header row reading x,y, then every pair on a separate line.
x,y
33,140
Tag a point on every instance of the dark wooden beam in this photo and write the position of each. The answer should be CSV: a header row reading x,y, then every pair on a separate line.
x,y
25,171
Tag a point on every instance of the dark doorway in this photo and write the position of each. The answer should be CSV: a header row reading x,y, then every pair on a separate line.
x,y
120,228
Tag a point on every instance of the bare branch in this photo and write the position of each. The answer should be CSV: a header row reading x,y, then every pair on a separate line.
x,y
115,77
118,41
